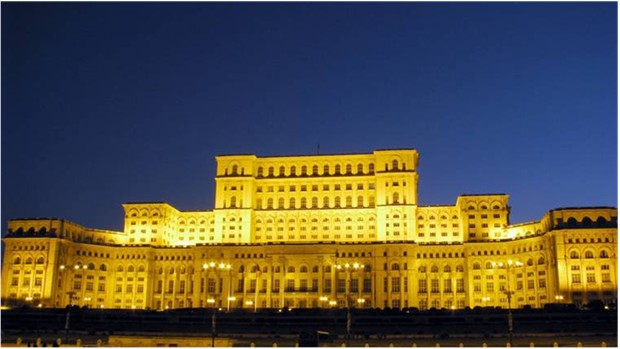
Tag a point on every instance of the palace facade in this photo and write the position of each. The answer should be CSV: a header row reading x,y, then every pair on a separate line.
x,y
317,231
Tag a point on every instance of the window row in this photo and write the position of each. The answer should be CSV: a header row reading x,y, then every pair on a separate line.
x,y
327,202
304,170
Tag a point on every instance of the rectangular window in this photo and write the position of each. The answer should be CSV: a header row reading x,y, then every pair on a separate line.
x,y
101,287
447,285
435,286
591,278
460,285
315,285
367,285
211,285
276,285
38,281
341,285
576,278
353,286
489,286
252,286
422,286
327,286
606,277
290,285
395,284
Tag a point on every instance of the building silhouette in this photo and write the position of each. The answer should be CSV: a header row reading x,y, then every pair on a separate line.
x,y
317,231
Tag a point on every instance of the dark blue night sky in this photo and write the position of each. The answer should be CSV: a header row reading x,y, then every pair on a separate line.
x,y
105,103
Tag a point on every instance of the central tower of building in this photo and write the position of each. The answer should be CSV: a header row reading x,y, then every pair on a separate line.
x,y
354,197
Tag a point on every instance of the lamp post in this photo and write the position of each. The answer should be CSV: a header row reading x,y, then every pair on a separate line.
x,y
211,301
323,299
213,328
348,269
508,292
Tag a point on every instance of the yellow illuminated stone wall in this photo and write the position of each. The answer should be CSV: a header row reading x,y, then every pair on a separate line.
x,y
317,231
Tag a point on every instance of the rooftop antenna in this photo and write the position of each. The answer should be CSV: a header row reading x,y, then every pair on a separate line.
x,y
318,148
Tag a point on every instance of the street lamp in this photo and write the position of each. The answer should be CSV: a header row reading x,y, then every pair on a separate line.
x,y
322,299
349,268
559,298
508,265
212,302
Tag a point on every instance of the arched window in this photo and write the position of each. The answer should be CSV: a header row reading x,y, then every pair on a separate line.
x,y
103,267
91,266
28,261
447,269
315,170
325,170
395,266
488,265
303,269
259,172
589,254
270,203
325,202
394,164
604,254
459,268
270,171
119,269
422,269
315,269
337,202
371,168
328,269
541,260
586,222
360,201
293,171
349,201
571,222
291,203
281,203
281,171
130,269
315,202
574,255
349,169
303,203
601,222
530,262
234,169
337,170
17,260
290,269
476,266
360,169
233,202
40,260
395,198
304,170
434,269
141,268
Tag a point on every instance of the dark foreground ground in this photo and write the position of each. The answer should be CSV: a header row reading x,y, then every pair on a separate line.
x,y
368,327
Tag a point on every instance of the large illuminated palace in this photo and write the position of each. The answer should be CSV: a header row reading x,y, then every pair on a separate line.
x,y
317,231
